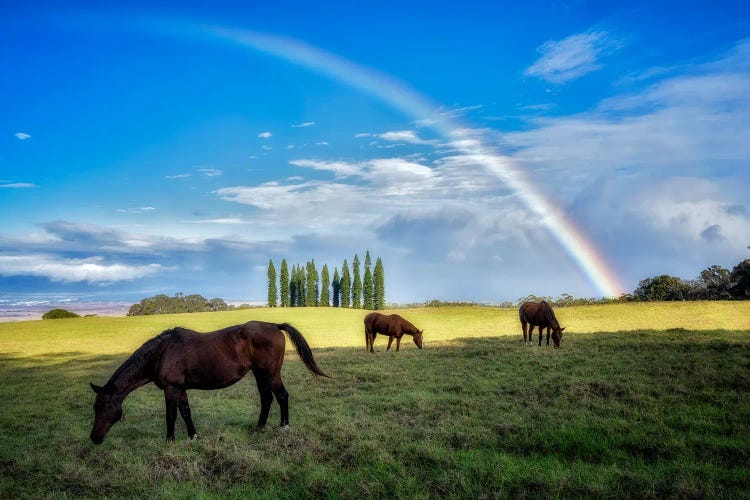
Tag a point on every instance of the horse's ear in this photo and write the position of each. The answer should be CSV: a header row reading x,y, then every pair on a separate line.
x,y
561,329
96,388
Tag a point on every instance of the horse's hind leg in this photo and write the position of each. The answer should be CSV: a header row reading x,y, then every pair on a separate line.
x,y
277,386
541,332
531,334
184,408
523,326
263,381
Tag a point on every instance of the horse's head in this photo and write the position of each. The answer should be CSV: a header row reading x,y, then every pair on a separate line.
x,y
418,338
107,411
557,334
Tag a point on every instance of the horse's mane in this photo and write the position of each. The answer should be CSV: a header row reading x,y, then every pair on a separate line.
x,y
145,353
549,314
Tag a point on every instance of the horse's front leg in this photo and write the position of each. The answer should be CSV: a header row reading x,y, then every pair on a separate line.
x,y
548,330
184,407
171,398
541,333
390,341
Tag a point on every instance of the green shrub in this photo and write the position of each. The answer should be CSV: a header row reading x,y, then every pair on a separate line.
x,y
59,314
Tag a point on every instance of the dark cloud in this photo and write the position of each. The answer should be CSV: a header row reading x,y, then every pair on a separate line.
x,y
712,233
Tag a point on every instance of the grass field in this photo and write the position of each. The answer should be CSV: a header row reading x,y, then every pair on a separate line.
x,y
641,400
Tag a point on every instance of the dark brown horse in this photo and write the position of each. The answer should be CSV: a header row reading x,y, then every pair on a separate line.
x,y
394,326
180,359
541,315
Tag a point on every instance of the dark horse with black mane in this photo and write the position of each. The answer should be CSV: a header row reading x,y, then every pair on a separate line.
x,y
180,359
394,326
541,315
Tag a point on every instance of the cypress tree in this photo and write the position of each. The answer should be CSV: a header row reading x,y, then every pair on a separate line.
x,y
284,284
367,301
311,297
336,285
379,285
272,294
346,285
301,295
325,285
356,284
293,288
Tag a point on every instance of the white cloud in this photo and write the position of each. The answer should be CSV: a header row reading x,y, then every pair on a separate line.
x,y
408,136
306,124
570,58
225,220
21,136
138,210
177,176
18,185
363,134
266,148
211,172
322,143
264,135
91,270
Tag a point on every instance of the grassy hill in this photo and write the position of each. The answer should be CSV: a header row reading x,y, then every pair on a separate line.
x,y
661,408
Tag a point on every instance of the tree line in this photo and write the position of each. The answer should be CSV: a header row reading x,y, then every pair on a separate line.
x,y
713,283
180,303
304,286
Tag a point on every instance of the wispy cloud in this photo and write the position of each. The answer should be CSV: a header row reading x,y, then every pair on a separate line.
x,y
18,185
572,57
211,172
22,136
225,220
322,143
93,270
177,176
138,210
301,125
265,135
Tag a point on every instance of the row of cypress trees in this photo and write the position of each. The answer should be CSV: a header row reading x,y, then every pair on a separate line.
x,y
304,286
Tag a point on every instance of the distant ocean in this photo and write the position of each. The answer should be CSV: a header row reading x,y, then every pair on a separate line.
x,y
26,307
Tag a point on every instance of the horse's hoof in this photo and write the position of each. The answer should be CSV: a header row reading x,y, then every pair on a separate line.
x,y
194,437
170,439
285,427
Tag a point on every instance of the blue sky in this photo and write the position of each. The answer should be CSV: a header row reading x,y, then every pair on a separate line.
x,y
179,148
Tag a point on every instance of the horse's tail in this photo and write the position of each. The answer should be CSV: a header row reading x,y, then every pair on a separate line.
x,y
303,349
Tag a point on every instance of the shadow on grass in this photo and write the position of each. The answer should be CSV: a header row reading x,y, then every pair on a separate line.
x,y
618,414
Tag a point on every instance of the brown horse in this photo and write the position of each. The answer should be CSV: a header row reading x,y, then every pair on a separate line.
x,y
394,326
180,359
541,315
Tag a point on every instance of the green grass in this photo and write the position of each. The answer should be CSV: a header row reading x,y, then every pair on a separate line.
x,y
642,412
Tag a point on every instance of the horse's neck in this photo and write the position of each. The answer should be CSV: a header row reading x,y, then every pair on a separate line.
x,y
129,377
550,314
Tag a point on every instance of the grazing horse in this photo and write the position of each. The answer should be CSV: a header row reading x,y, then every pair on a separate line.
x,y
180,359
541,315
394,326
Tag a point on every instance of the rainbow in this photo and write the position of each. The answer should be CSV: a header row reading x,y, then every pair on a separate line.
x,y
401,97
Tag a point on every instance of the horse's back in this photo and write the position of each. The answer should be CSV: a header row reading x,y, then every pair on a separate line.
x,y
535,313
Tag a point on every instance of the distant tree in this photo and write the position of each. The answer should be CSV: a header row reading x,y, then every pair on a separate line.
x,y
367,292
293,288
740,277
272,293
346,285
356,284
325,286
378,279
311,297
336,286
300,280
663,288
217,305
59,314
714,283
284,284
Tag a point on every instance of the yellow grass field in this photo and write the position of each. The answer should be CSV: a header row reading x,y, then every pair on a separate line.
x,y
332,327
